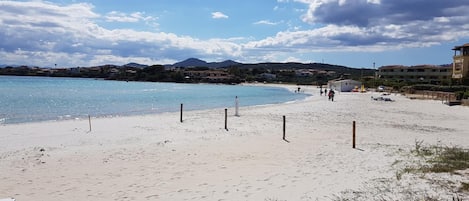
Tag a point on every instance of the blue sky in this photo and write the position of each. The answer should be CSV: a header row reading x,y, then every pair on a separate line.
x,y
355,33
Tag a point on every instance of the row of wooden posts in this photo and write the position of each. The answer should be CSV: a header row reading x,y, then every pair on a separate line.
x,y
284,125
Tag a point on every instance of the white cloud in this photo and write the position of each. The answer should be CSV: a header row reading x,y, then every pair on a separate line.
x,y
42,33
292,59
441,19
116,16
374,1
135,17
219,15
265,22
333,38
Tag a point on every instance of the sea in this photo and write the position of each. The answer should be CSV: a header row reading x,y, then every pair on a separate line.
x,y
33,99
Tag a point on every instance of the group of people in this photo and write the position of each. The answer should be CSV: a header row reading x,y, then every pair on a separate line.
x,y
330,94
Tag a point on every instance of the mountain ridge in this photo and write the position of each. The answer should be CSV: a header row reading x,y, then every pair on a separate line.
x,y
195,62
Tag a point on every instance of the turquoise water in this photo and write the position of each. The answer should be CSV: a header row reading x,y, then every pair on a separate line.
x,y
32,99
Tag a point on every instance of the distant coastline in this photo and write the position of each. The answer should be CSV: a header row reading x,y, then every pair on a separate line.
x,y
198,71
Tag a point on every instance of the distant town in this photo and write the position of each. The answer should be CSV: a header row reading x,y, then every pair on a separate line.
x,y
194,70
197,71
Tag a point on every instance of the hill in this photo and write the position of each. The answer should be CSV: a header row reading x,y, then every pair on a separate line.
x,y
194,62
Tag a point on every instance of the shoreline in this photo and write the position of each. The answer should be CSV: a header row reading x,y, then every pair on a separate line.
x,y
151,111
155,157
81,125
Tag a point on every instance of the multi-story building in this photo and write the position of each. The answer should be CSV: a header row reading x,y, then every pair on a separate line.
x,y
208,75
461,61
421,73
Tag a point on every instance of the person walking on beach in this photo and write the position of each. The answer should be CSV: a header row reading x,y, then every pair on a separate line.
x,y
236,106
331,95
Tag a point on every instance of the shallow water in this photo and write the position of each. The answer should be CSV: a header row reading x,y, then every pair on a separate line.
x,y
31,99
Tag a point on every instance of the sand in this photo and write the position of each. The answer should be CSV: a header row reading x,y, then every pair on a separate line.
x,y
156,157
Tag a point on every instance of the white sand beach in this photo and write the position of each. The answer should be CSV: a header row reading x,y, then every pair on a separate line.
x,y
156,157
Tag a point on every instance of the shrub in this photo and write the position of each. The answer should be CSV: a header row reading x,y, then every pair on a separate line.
x,y
442,158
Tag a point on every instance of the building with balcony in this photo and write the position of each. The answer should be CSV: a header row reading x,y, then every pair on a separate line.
x,y
420,73
461,61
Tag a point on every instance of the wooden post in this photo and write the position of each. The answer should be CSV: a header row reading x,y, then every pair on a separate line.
x,y
181,112
226,119
236,106
353,140
89,120
284,120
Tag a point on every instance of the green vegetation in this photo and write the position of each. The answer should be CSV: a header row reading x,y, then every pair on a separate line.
x,y
441,158
425,164
464,187
462,95
437,159
297,73
430,87
460,91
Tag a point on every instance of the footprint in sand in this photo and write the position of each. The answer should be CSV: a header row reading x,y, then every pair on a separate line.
x,y
203,184
152,196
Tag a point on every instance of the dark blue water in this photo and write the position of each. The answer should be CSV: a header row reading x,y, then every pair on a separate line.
x,y
31,99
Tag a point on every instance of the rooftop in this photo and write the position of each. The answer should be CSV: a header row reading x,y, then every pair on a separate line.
x,y
461,46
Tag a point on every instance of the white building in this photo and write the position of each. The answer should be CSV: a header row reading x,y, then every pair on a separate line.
x,y
344,85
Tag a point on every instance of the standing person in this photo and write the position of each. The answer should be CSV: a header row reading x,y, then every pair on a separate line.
x,y
325,92
236,106
331,95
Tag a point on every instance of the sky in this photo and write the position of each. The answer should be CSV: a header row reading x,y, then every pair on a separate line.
x,y
353,33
